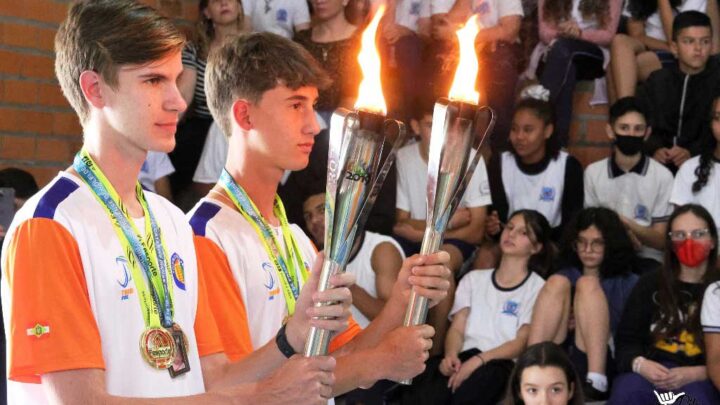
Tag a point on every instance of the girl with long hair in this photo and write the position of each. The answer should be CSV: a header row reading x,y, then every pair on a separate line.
x,y
659,341
582,303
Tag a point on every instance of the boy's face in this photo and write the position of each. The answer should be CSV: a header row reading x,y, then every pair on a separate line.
x,y
629,124
692,48
425,128
314,215
284,126
145,105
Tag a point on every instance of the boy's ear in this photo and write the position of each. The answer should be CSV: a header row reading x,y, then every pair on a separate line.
x,y
648,132
415,125
609,131
241,114
674,48
90,84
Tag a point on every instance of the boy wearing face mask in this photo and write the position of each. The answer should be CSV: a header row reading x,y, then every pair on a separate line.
x,y
633,185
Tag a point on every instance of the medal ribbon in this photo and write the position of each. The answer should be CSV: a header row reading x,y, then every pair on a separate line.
x,y
147,253
287,264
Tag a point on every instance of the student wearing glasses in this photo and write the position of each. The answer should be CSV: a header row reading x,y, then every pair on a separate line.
x,y
582,302
659,341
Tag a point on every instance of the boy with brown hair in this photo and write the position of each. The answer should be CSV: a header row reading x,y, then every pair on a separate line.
x,y
105,297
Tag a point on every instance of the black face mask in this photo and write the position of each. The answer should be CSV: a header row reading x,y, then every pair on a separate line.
x,y
629,145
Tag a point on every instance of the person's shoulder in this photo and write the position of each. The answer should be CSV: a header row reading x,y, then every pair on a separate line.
x,y
659,170
407,153
597,167
687,169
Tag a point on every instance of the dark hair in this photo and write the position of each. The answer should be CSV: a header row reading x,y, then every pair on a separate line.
x,y
670,322
544,111
545,354
557,10
540,232
19,180
205,31
707,156
251,64
688,19
102,35
619,254
642,9
624,106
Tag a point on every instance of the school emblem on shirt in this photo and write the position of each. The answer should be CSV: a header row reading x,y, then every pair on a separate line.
x,y
641,212
281,15
547,194
178,271
38,330
511,308
273,291
124,279
415,8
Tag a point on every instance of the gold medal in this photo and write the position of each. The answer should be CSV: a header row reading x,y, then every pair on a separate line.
x,y
157,347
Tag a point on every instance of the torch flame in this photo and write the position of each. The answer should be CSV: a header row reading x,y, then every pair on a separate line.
x,y
370,95
467,69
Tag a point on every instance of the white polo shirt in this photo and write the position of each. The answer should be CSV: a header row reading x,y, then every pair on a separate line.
x,y
157,165
408,12
707,197
496,313
489,11
277,16
710,315
653,24
641,194
412,183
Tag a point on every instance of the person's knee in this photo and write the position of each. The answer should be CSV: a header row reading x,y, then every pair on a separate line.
x,y
557,285
621,42
588,285
561,50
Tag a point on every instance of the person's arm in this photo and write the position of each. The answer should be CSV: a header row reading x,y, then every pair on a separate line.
x,y
474,231
386,262
712,355
636,29
572,201
548,30
666,17
497,188
507,29
652,236
603,36
632,337
408,228
186,84
714,14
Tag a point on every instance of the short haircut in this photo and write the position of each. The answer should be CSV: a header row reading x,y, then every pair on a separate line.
x,y
626,105
688,19
248,65
102,35
19,180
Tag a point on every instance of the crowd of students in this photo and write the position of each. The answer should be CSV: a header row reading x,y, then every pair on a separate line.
x,y
560,284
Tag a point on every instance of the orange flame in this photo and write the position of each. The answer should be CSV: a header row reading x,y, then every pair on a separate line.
x,y
370,95
467,69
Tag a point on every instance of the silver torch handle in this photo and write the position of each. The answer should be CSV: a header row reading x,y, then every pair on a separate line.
x,y
319,339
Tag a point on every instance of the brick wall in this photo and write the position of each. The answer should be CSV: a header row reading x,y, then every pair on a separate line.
x,y
39,132
588,139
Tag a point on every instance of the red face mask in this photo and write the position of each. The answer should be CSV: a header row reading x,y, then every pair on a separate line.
x,y
692,252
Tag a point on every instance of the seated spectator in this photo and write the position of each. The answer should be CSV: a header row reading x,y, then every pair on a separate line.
x,y
698,180
465,228
281,17
212,160
335,43
679,98
543,374
710,319
374,259
154,174
645,48
534,174
490,320
21,181
636,187
659,341
574,40
216,21
499,53
582,303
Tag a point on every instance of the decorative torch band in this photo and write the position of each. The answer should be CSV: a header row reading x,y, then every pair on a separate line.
x,y
354,179
458,131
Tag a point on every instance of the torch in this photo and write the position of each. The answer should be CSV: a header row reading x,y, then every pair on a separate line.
x,y
355,174
459,127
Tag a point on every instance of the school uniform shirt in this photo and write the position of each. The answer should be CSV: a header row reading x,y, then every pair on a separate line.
x,y
277,16
496,313
710,315
551,187
408,12
489,11
634,335
70,301
156,166
361,266
213,156
412,183
707,196
239,255
653,24
641,194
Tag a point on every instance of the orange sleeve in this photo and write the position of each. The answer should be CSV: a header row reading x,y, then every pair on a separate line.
x,y
346,335
224,310
51,326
